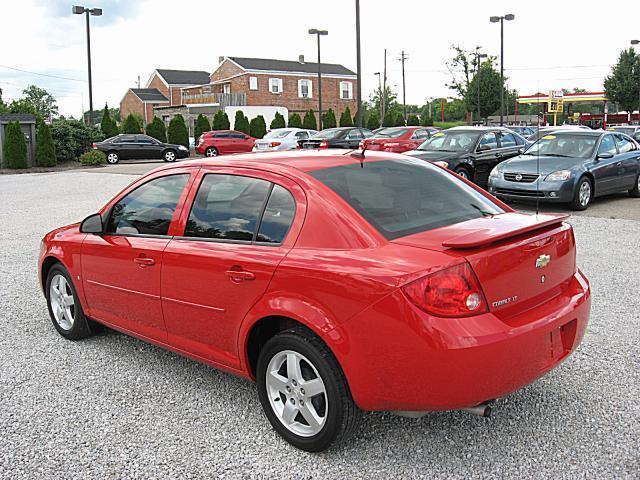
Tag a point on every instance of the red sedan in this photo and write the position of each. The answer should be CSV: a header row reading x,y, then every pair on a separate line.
x,y
398,139
338,283
220,142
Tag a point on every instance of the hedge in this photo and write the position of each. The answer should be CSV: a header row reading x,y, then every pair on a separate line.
x,y
157,130
93,157
45,148
177,132
15,148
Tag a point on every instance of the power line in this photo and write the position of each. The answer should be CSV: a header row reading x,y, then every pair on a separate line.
x,y
42,74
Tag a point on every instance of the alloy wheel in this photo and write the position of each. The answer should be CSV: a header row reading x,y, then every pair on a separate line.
x,y
211,152
62,302
169,156
463,174
584,195
112,158
296,393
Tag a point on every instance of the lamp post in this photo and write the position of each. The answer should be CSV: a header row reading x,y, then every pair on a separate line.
x,y
96,12
636,42
380,95
478,57
501,19
317,33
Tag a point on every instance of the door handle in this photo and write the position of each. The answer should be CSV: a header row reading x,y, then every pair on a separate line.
x,y
239,275
144,261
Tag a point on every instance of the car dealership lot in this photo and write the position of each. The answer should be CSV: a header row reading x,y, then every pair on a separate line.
x,y
113,406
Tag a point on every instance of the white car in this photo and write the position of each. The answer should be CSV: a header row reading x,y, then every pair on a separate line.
x,y
282,139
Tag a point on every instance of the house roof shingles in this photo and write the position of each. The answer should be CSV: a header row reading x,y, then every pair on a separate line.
x,y
290,66
184,77
149,95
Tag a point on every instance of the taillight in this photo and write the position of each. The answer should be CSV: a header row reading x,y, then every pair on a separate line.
x,y
452,292
323,144
361,145
275,144
94,146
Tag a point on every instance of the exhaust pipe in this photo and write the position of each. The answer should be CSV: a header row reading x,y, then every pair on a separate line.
x,y
482,410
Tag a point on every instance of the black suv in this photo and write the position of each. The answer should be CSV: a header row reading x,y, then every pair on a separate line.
x,y
139,146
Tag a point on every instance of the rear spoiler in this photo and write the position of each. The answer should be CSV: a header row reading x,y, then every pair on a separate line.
x,y
506,226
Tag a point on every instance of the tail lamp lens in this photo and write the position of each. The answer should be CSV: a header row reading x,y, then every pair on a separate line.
x,y
452,292
324,144
94,146
275,144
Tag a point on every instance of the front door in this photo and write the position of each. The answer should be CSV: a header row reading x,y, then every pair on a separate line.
x,y
121,268
223,263
605,170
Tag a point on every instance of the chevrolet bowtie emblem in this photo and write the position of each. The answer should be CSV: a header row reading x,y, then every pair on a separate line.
x,y
543,260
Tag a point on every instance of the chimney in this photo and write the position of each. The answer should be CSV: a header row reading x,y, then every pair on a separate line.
x,y
220,59
301,58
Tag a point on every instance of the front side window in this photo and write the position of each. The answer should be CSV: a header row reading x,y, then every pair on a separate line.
x,y
624,144
275,85
488,141
403,197
346,90
148,209
227,207
278,216
304,88
451,141
507,140
607,145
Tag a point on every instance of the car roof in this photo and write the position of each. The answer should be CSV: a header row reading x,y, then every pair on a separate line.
x,y
577,131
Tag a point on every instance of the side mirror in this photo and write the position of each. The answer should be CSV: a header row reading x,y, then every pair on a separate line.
x,y
483,148
604,155
92,224
520,151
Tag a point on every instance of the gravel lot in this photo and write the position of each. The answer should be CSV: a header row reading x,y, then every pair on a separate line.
x,y
115,407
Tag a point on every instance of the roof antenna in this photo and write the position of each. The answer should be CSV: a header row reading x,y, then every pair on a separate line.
x,y
360,155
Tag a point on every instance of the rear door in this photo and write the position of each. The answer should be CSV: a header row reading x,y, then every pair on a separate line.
x,y
487,156
628,161
509,145
222,142
235,233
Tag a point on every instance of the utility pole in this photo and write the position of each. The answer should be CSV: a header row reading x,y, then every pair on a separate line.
x,y
404,94
383,94
379,95
359,79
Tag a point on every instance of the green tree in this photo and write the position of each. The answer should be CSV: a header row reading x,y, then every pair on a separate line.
x,y
373,121
241,123
621,86
107,125
329,119
426,121
345,118
295,121
399,120
157,130
177,132
309,121
21,105
202,125
45,149
389,99
14,149
278,121
413,120
131,125
43,103
389,119
220,121
489,91
258,127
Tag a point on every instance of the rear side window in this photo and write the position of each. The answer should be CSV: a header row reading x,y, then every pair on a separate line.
x,y
277,217
402,197
148,209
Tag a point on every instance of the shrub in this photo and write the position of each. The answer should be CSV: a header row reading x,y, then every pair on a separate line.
x,y
399,120
427,121
93,157
202,125
258,127
45,149
15,148
329,119
108,125
388,120
413,120
131,125
219,121
373,121
177,132
157,130
278,121
309,121
72,138
295,121
241,123
345,118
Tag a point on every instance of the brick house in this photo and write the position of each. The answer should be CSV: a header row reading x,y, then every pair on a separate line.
x,y
281,83
164,88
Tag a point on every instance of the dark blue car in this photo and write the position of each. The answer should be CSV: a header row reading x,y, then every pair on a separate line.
x,y
571,167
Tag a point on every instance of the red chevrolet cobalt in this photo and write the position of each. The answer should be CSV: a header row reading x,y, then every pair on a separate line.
x,y
339,283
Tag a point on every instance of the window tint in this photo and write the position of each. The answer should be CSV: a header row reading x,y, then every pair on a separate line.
x,y
125,139
489,140
149,208
227,207
624,144
277,217
221,135
402,197
507,140
238,136
607,145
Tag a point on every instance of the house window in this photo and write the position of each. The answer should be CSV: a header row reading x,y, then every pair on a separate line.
x,y
346,90
226,88
304,88
275,85
206,89
253,83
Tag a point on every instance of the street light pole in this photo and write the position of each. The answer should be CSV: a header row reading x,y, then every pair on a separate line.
x,y
636,42
358,80
501,19
96,12
315,31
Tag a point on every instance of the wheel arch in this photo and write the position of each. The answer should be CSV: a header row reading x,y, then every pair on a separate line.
x,y
591,178
47,263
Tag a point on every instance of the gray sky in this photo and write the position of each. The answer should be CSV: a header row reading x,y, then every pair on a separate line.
x,y
550,44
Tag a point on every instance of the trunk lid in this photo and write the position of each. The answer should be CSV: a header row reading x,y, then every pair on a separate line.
x,y
520,260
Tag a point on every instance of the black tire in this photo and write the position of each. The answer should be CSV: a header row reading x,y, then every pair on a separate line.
x,y
342,414
113,157
79,328
635,191
578,203
211,152
169,155
464,173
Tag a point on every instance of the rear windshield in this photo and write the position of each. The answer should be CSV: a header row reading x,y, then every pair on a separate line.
x,y
277,134
402,197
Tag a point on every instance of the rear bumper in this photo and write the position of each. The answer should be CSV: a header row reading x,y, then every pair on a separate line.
x,y
417,362
200,148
